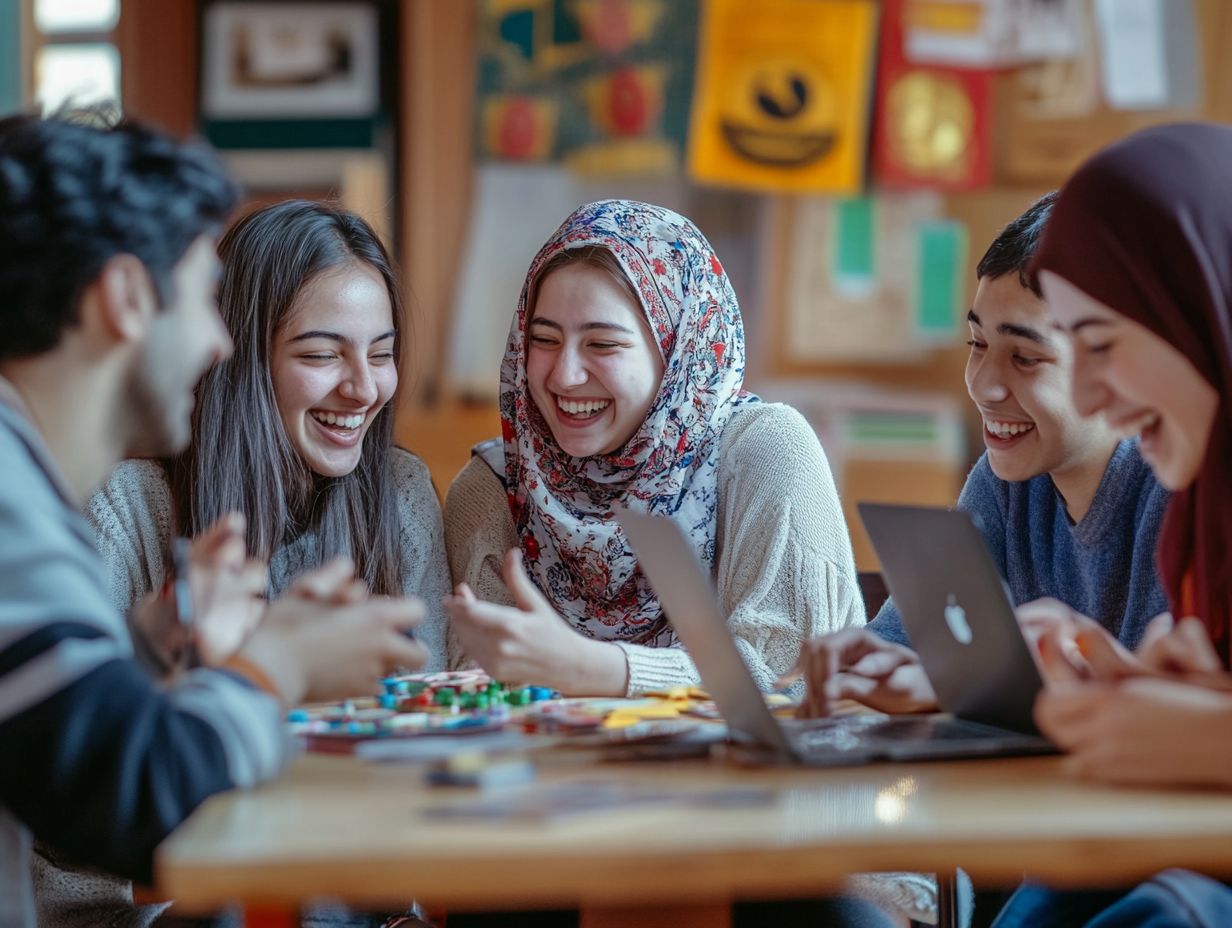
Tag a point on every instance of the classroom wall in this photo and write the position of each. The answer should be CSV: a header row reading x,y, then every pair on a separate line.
x,y
436,187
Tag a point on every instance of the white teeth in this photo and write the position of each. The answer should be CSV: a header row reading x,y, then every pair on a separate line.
x,y
584,408
1007,429
345,422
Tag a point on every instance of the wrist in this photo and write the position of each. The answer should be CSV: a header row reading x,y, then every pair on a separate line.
x,y
271,668
599,668
166,643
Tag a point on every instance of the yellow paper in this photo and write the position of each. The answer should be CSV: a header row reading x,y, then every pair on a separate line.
x,y
782,95
623,718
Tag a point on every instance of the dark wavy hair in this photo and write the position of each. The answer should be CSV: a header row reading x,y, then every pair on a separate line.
x,y
79,188
240,457
1011,251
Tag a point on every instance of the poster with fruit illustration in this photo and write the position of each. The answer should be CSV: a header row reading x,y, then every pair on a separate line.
x,y
602,85
782,95
931,124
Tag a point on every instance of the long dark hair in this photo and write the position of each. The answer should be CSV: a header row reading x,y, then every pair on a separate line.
x,y
240,457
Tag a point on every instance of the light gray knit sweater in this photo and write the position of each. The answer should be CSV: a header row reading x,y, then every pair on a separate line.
x,y
784,567
132,517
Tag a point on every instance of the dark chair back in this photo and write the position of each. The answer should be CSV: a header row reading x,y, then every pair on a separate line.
x,y
874,591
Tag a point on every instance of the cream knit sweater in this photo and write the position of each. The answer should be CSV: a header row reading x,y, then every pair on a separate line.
x,y
784,568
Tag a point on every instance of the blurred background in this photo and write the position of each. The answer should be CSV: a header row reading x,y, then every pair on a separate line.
x,y
850,160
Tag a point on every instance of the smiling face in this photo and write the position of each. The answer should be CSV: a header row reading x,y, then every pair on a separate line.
x,y
1139,382
334,367
1019,376
592,364
186,337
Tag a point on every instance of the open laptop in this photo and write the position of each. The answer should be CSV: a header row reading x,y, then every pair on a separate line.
x,y
934,561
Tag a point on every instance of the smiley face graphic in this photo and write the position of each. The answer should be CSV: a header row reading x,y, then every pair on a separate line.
x,y
783,113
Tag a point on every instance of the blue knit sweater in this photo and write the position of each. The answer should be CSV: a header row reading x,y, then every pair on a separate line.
x,y
1103,567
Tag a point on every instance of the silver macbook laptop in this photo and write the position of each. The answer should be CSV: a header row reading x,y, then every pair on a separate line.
x,y
970,695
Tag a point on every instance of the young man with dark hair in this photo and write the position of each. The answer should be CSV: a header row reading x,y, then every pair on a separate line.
x,y
107,276
1068,509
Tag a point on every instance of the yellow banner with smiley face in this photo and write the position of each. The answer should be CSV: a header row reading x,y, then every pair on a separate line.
x,y
782,97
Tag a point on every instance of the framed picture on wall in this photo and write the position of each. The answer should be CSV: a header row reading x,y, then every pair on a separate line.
x,y
273,60
293,74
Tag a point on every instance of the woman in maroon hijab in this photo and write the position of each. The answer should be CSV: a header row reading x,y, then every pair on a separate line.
x,y
1136,265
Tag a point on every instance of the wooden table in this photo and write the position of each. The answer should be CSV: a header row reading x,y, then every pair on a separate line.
x,y
338,827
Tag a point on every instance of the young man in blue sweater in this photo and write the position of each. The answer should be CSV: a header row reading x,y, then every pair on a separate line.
x,y
107,277
1069,510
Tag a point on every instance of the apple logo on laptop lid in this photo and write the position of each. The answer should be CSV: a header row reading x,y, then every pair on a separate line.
x,y
956,619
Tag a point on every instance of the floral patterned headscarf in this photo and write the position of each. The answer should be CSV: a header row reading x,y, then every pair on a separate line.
x,y
573,548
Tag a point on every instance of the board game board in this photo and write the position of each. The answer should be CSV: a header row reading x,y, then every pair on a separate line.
x,y
469,701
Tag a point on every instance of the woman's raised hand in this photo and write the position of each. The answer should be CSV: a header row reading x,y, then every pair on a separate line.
x,y
529,642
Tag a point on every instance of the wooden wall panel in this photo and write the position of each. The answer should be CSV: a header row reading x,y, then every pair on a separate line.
x,y
158,62
437,73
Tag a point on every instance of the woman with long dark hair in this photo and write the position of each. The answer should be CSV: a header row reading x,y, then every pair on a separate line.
x,y
295,430
291,464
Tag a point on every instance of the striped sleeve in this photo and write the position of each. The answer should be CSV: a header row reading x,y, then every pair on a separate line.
x,y
98,760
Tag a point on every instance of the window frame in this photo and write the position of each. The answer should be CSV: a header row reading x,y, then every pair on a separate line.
x,y
34,40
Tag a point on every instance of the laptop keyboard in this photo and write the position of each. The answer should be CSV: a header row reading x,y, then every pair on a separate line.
x,y
850,733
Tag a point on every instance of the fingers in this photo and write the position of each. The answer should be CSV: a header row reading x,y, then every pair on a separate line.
x,y
253,578
904,689
1159,627
333,582
1042,614
1188,649
789,677
403,653
520,586
490,617
881,663
1059,659
398,616
1203,658
1105,656
1182,647
1068,713
395,613
223,541
852,650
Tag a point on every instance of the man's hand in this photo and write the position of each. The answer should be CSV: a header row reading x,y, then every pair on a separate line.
x,y
855,663
319,642
228,589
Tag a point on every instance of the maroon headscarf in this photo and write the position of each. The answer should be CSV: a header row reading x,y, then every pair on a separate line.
x,y
1145,227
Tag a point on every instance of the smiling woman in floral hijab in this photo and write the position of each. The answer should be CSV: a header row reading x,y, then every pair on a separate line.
x,y
622,385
